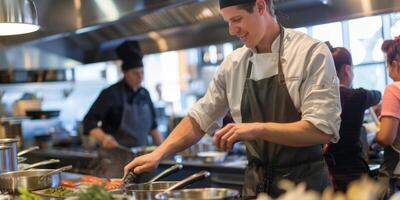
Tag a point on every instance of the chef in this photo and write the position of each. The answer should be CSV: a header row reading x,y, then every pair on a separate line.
x,y
123,114
282,91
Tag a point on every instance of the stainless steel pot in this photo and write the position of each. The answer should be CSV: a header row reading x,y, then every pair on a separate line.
x,y
11,128
200,194
35,179
12,157
6,159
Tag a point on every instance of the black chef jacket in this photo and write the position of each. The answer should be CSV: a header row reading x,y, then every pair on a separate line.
x,y
108,107
354,103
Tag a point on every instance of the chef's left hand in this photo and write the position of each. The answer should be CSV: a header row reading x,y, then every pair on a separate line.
x,y
232,133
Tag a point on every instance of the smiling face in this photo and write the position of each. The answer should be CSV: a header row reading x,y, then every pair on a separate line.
x,y
248,27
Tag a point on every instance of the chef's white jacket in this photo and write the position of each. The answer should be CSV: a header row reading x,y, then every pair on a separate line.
x,y
310,76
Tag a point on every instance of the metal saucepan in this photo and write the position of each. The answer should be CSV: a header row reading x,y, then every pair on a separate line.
x,y
151,194
23,166
34,179
140,186
12,162
212,156
199,194
6,159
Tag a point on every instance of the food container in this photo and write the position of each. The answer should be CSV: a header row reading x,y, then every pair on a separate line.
x,y
212,156
200,194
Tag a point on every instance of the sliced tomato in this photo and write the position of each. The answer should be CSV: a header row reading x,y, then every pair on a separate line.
x,y
87,178
68,183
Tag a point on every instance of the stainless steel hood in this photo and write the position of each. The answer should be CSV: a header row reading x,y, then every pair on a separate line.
x,y
87,31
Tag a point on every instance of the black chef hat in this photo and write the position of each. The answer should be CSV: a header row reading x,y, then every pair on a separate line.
x,y
130,54
227,3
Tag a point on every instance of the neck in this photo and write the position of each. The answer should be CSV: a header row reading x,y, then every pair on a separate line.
x,y
346,84
271,33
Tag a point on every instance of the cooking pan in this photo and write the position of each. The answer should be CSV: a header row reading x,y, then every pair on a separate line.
x,y
200,194
151,194
42,114
34,179
141,186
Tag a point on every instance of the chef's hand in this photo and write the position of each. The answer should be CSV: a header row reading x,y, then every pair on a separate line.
x,y
109,142
145,163
226,137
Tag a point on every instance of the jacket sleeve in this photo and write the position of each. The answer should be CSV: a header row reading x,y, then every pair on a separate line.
x,y
373,98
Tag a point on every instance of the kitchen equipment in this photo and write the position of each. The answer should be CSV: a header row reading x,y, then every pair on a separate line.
x,y
21,159
42,114
25,151
192,151
141,186
167,172
30,166
11,127
34,179
151,194
12,157
21,106
6,159
200,194
212,156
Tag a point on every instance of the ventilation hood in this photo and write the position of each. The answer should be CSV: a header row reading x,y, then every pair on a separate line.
x,y
86,31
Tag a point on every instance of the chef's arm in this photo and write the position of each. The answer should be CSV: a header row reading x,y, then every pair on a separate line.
x,y
186,133
105,139
297,134
157,137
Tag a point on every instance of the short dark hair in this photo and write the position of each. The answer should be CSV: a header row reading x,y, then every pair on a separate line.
x,y
341,56
392,49
249,7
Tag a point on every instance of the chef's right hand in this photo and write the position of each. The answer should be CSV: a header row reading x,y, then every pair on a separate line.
x,y
109,142
145,163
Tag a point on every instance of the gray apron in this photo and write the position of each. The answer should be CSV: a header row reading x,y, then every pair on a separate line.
x,y
387,171
268,100
135,126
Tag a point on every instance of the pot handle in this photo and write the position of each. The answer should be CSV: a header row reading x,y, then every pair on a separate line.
x,y
23,152
68,167
46,162
189,180
167,172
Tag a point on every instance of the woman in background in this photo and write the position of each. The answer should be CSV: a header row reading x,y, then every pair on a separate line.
x,y
388,136
344,158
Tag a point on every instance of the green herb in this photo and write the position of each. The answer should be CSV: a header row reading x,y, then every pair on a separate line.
x,y
59,192
26,195
95,192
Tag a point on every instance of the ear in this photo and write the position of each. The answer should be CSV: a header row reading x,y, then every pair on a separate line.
x,y
396,64
347,69
261,6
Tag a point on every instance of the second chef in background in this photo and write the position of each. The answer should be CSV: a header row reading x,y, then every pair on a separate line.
x,y
123,114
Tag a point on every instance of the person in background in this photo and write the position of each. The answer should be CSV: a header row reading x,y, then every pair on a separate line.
x,y
344,159
123,114
283,93
389,133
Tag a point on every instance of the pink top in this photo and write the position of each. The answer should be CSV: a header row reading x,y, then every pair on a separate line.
x,y
391,101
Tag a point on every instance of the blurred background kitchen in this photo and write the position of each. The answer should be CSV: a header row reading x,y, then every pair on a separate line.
x,y
50,78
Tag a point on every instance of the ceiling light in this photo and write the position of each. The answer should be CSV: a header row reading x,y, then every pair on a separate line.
x,y
17,17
